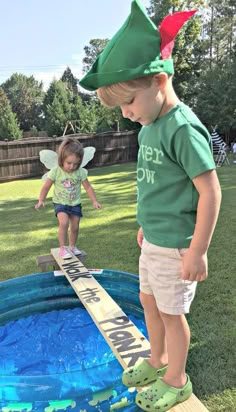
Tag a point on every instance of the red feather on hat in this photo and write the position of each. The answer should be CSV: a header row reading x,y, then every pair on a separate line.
x,y
169,28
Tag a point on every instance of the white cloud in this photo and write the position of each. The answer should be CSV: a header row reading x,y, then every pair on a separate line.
x,y
77,58
48,76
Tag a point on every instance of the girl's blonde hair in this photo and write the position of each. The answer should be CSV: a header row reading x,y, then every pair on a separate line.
x,y
70,146
119,93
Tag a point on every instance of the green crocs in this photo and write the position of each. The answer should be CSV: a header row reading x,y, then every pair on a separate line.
x,y
161,397
142,374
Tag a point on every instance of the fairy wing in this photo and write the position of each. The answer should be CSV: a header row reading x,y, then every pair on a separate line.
x,y
88,155
49,159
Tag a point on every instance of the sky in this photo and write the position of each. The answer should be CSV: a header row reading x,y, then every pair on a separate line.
x,y
44,37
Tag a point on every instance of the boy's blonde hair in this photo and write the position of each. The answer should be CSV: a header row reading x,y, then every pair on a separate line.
x,y
70,146
120,93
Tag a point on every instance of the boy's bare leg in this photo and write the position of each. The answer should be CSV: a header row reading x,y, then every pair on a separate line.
x,y
178,339
156,331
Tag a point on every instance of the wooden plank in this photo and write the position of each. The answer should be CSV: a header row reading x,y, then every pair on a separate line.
x,y
127,343
125,340
44,261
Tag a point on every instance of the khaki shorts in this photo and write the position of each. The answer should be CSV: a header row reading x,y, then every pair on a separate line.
x,y
160,275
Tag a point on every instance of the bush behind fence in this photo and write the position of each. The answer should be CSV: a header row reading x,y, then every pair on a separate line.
x,y
19,159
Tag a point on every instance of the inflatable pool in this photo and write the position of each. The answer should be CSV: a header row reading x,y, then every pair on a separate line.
x,y
52,355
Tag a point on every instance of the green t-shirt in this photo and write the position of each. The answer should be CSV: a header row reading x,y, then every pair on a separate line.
x,y
173,150
67,186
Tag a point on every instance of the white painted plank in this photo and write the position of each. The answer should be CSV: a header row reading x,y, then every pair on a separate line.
x,y
126,341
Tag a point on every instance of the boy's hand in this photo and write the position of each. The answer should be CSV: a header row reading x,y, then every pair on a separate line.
x,y
39,204
195,266
96,205
140,237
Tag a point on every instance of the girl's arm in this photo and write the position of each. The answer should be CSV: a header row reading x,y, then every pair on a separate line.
x,y
43,193
90,191
195,260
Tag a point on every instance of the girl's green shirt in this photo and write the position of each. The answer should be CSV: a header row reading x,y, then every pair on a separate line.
x,y
67,186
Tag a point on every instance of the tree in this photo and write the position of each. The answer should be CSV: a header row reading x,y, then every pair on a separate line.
x,y
215,90
26,96
187,42
57,108
9,128
108,118
71,83
216,98
86,97
86,115
220,31
95,47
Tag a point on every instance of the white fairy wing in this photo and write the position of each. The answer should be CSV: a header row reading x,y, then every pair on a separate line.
x,y
88,155
45,176
48,158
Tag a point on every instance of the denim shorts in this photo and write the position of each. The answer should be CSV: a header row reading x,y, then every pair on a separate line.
x,y
69,210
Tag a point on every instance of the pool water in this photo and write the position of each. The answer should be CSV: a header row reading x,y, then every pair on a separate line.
x,y
56,356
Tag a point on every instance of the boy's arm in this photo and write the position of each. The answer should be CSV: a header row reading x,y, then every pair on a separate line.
x,y
90,191
43,193
140,237
195,260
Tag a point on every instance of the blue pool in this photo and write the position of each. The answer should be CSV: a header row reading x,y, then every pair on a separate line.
x,y
52,355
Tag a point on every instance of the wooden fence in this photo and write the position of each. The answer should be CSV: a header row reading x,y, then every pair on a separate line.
x,y
19,159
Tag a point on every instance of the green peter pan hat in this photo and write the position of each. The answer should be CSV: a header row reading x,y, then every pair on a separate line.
x,y
138,49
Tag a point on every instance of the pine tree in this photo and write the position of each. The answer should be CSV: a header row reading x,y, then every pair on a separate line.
x,y
26,96
92,51
57,108
71,83
9,128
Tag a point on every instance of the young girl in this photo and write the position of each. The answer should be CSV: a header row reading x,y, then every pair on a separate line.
x,y
67,178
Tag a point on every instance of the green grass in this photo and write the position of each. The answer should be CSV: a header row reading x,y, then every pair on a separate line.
x,y
109,238
107,235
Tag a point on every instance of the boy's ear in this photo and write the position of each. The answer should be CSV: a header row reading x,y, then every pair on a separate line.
x,y
161,80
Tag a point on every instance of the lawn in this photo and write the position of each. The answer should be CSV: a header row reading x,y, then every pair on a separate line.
x,y
109,238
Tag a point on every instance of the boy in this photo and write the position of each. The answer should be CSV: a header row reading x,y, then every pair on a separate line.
x,y
178,195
